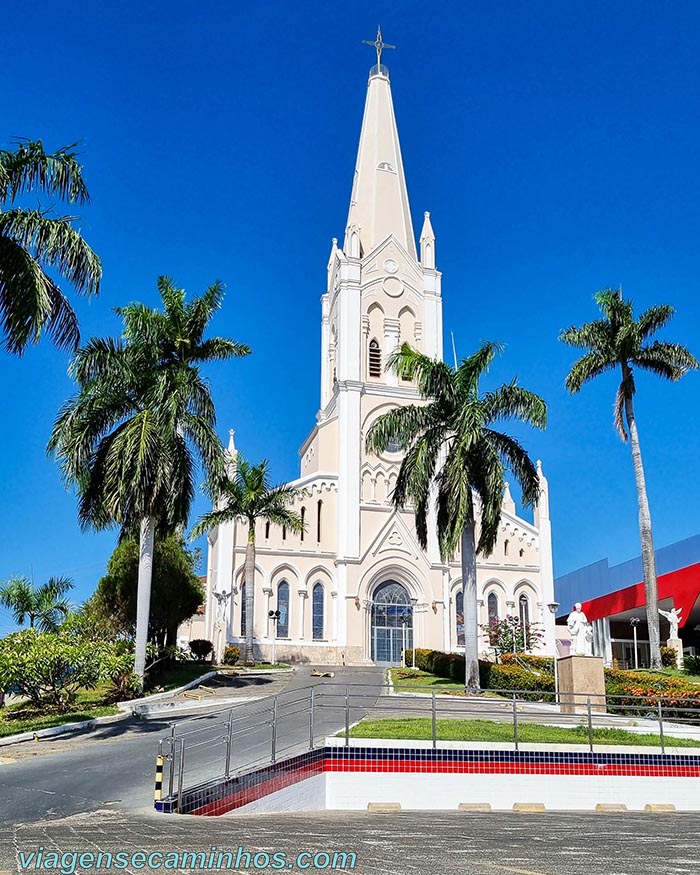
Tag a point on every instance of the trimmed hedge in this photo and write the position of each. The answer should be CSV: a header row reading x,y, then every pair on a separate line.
x,y
672,691
535,686
491,675
541,663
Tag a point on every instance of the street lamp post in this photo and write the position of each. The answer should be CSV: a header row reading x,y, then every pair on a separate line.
x,y
274,616
553,610
634,622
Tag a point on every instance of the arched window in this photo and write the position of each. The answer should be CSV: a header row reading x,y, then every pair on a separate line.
x,y
393,446
267,530
459,617
243,627
284,533
283,608
375,358
522,553
505,547
317,598
492,606
524,609
319,506
303,522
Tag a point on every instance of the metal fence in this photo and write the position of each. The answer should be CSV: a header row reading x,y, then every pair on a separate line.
x,y
222,744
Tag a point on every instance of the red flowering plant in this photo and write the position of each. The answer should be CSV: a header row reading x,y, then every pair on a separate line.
x,y
510,635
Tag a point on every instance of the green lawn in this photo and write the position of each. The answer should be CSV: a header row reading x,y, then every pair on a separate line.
x,y
422,679
23,718
418,678
177,676
488,730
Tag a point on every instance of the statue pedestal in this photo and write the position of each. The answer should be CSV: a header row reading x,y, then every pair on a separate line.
x,y
581,678
677,645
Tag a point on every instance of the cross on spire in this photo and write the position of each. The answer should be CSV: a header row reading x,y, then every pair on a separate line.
x,y
379,46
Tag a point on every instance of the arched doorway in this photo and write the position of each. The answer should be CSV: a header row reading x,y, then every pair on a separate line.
x,y
392,623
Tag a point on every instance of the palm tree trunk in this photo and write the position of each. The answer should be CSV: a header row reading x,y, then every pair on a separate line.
x,y
143,597
471,628
651,594
250,593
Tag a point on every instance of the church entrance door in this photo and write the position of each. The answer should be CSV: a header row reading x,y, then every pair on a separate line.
x,y
392,623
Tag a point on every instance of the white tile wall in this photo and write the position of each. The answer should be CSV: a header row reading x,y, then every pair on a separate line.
x,y
307,795
353,790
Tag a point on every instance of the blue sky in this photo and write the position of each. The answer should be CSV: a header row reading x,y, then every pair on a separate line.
x,y
556,145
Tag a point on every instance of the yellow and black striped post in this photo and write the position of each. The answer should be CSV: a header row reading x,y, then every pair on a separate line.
x,y
158,791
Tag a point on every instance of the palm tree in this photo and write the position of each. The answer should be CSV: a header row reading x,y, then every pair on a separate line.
x,y
453,452
35,244
618,340
129,439
246,494
43,606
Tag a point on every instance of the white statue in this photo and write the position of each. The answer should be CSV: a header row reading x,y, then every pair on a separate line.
x,y
581,638
674,618
222,599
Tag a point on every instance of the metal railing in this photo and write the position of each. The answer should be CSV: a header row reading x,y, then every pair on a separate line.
x,y
223,744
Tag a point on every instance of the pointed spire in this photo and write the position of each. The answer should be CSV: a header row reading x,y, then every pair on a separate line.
x,y
231,454
379,201
508,503
542,506
427,243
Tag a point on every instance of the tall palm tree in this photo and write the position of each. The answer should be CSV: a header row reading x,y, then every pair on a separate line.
x,y
452,451
618,340
247,494
34,244
130,438
45,606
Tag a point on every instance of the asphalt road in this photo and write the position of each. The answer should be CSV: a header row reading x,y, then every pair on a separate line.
x,y
114,765
410,843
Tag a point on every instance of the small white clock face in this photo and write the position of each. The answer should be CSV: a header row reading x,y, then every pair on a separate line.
x,y
391,265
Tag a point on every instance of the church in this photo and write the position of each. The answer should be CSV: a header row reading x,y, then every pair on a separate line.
x,y
356,588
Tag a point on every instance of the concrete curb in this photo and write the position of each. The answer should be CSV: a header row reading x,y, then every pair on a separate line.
x,y
128,711
63,729
167,708
171,694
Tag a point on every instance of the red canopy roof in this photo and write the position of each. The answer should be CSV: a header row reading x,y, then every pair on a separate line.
x,y
683,586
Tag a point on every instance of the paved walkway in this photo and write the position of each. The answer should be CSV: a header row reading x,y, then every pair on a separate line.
x,y
410,843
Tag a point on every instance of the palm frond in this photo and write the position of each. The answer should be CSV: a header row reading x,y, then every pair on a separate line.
x,y
669,360
654,319
513,402
434,379
31,302
55,243
516,459
28,167
472,368
587,368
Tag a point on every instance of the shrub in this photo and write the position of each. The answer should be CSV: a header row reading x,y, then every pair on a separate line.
x,y
668,656
540,663
49,668
513,677
424,659
635,691
201,648
691,664
457,668
231,654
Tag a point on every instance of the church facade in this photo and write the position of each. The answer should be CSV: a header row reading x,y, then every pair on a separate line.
x,y
356,587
